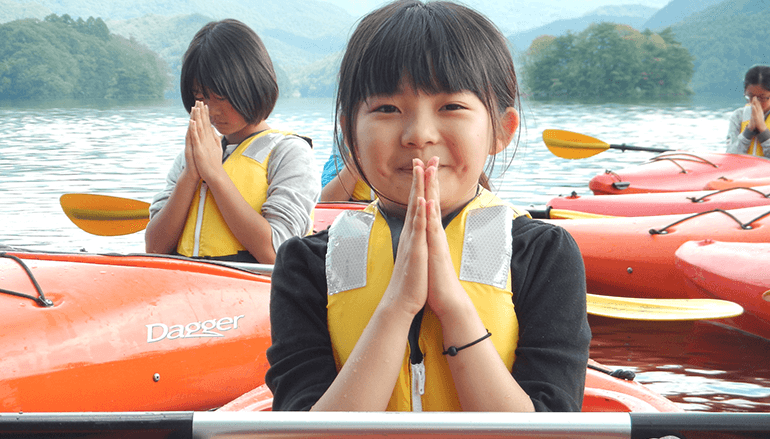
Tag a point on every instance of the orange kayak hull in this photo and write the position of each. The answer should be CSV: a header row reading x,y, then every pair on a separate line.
x,y
623,258
665,203
129,333
735,271
679,171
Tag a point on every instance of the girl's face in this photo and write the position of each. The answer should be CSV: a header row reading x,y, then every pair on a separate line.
x,y
762,94
225,118
456,127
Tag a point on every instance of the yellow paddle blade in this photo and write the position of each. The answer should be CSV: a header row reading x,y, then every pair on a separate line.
x,y
104,215
661,309
569,145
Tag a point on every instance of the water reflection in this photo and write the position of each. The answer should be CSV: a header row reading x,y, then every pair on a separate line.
x,y
127,150
700,366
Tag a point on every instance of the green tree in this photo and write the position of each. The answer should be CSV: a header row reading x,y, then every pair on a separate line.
x,y
607,61
60,58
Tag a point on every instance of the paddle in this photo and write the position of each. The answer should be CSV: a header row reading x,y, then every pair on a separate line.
x,y
569,145
630,308
326,425
104,215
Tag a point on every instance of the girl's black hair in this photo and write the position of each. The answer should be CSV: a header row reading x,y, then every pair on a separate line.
x,y
434,47
227,58
757,75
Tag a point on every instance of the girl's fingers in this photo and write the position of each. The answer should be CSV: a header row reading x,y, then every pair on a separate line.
x,y
432,191
417,190
205,118
444,290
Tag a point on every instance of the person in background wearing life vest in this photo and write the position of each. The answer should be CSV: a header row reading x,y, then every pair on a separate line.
x,y
439,296
748,132
340,183
241,197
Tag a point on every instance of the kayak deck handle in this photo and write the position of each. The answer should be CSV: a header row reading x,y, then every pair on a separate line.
x,y
40,299
700,199
744,226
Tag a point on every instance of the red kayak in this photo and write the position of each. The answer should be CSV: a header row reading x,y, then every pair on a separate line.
x,y
679,171
726,183
634,256
665,203
735,271
114,333
84,332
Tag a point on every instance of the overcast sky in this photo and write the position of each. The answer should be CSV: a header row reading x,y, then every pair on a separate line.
x,y
516,15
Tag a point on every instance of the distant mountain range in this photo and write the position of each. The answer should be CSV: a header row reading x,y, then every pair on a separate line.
x,y
305,37
634,15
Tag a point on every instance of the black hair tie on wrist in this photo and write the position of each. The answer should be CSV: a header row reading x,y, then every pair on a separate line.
x,y
452,351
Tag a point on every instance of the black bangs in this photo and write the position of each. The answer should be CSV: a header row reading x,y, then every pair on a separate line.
x,y
420,46
228,59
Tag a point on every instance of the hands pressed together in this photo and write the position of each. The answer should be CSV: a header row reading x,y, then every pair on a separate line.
x,y
423,252
757,121
203,150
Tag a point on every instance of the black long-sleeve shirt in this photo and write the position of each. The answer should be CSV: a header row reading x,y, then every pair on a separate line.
x,y
548,280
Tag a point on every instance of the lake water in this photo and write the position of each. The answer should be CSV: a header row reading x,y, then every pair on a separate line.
x,y
126,151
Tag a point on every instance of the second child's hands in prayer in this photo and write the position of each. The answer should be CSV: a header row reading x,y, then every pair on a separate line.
x,y
205,143
757,121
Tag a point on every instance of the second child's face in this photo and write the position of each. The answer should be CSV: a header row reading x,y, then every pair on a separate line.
x,y
761,94
225,118
392,130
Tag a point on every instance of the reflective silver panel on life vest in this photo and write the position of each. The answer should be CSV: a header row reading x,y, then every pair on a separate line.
x,y
259,149
487,246
346,254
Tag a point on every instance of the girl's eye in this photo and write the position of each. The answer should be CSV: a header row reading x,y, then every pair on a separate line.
x,y
386,109
453,107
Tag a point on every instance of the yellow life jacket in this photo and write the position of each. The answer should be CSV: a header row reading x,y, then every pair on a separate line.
x,y
359,265
206,233
755,148
362,192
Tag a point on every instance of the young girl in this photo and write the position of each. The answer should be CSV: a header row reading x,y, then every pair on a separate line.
x,y
748,132
242,198
439,296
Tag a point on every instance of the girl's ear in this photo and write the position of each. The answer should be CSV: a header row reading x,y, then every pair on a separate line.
x,y
509,122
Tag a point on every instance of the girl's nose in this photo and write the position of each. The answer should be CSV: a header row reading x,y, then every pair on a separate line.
x,y
420,130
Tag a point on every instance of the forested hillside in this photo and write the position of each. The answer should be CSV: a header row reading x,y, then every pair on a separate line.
x,y
725,40
608,62
60,58
676,11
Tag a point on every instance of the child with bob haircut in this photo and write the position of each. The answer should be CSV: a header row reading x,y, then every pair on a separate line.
x,y
439,295
239,198
748,132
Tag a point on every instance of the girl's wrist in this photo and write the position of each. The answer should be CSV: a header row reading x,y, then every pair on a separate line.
x,y
394,311
457,312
